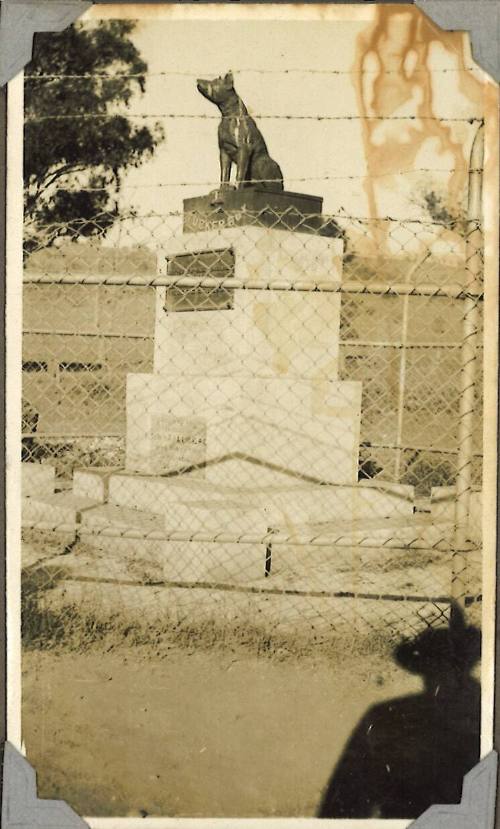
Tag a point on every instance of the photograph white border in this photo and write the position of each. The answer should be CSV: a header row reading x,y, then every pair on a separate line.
x,y
13,388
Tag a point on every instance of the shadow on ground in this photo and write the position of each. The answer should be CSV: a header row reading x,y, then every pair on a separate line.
x,y
413,751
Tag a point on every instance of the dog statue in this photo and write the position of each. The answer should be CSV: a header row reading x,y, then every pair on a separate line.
x,y
240,140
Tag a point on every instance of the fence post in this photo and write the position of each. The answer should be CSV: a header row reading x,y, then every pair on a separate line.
x,y
467,387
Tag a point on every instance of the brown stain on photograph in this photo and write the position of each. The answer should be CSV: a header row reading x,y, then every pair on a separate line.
x,y
398,44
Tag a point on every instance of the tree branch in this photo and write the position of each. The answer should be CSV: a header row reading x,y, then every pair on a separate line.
x,y
65,170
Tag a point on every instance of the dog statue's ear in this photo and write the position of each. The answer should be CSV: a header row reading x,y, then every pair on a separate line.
x,y
229,77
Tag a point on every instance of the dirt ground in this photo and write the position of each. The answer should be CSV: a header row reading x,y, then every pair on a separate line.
x,y
194,733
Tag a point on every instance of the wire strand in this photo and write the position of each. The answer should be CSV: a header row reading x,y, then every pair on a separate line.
x,y
216,183
325,217
247,71
204,117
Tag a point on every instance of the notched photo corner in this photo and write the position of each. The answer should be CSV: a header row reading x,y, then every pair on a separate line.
x,y
256,541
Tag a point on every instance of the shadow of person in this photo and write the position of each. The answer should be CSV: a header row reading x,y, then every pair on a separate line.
x,y
412,752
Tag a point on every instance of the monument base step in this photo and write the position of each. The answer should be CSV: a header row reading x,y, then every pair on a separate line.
x,y
135,528
283,505
55,509
154,493
417,532
37,479
123,519
138,538
124,532
212,516
93,482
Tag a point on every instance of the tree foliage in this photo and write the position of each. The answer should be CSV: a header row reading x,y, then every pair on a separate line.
x,y
79,140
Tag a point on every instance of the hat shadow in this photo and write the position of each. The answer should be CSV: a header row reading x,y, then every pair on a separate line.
x,y
413,751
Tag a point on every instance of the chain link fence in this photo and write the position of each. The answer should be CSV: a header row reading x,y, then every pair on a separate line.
x,y
258,417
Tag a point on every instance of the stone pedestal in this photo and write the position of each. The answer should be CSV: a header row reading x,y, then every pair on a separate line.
x,y
245,387
242,430
250,331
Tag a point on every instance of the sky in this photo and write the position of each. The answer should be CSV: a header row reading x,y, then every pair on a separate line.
x,y
305,68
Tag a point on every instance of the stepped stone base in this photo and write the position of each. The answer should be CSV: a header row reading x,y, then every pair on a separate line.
x,y
282,504
183,561
93,483
59,508
217,517
155,493
37,479
288,427
419,531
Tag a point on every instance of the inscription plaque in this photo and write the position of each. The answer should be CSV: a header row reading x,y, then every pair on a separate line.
x,y
180,442
198,299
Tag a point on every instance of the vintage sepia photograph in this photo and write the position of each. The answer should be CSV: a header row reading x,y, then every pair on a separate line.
x,y
257,346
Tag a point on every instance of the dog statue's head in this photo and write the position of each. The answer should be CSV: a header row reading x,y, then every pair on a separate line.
x,y
216,90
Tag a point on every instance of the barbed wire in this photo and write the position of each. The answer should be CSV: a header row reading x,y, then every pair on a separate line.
x,y
358,343
262,116
216,184
55,436
250,70
325,217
